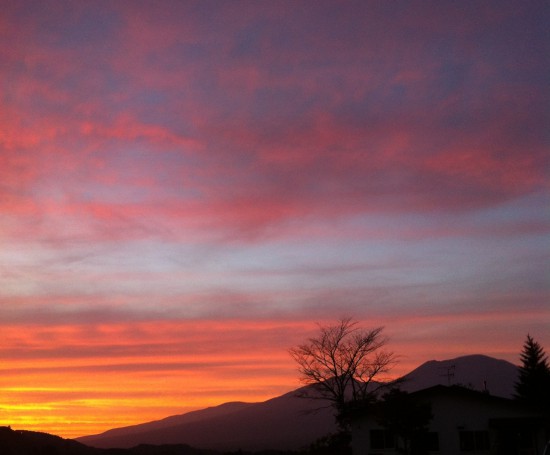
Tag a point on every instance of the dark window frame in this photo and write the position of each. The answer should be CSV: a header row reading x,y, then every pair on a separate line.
x,y
381,439
474,441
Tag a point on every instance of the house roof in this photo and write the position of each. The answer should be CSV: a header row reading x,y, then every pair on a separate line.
x,y
460,392
464,393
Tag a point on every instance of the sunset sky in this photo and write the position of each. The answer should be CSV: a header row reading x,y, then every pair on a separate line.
x,y
187,188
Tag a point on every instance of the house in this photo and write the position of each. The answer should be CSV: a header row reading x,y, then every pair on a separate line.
x,y
464,422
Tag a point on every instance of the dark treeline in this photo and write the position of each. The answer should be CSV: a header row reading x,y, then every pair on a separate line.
x,y
20,442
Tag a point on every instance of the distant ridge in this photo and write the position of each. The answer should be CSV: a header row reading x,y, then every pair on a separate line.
x,y
180,419
286,422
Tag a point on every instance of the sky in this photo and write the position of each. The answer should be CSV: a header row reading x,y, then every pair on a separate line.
x,y
187,188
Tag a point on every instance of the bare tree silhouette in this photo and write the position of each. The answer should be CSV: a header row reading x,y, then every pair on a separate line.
x,y
345,365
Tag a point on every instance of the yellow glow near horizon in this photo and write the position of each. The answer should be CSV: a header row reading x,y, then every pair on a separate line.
x,y
113,379
76,380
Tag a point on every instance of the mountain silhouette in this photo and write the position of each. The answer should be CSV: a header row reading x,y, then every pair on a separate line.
x,y
288,422
477,372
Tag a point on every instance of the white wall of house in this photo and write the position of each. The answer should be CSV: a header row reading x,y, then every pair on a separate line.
x,y
453,414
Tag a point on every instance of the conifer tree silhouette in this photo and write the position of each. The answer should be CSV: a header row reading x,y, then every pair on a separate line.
x,y
533,385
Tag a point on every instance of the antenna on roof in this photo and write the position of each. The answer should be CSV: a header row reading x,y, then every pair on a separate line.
x,y
450,374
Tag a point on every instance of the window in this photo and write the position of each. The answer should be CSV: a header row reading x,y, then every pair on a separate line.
x,y
426,441
432,441
526,439
474,440
526,442
381,439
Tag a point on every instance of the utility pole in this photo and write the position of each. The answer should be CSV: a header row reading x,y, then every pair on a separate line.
x,y
450,374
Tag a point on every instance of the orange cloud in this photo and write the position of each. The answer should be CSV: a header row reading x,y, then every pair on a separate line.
x,y
81,379
91,376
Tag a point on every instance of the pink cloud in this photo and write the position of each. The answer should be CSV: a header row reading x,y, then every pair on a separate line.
x,y
302,161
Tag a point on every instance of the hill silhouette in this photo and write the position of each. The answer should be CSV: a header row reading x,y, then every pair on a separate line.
x,y
287,422
21,442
